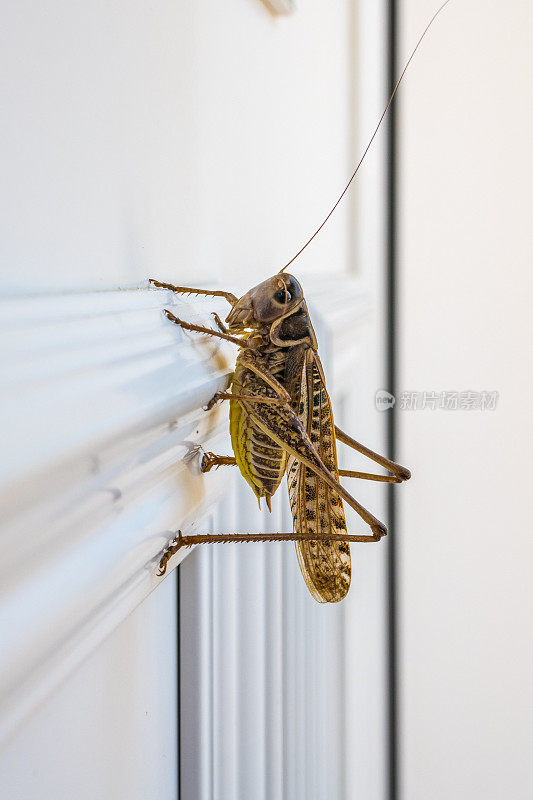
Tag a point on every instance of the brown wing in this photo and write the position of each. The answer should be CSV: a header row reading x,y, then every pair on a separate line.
x,y
326,566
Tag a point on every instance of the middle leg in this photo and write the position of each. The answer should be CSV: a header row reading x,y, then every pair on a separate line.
x,y
210,460
249,398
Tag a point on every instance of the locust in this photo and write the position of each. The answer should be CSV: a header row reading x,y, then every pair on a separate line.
x,y
281,425
281,420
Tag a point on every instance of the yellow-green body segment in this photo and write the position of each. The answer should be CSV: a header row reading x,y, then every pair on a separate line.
x,y
261,461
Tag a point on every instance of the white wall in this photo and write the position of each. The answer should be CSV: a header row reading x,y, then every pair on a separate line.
x,y
194,141
110,732
198,139
466,292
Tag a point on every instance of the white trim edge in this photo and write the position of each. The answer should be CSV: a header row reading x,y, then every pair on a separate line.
x,y
102,408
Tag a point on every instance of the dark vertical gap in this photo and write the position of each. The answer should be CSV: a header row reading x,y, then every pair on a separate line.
x,y
391,418
178,681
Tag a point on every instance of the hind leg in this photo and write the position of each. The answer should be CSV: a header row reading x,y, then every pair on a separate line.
x,y
232,538
402,473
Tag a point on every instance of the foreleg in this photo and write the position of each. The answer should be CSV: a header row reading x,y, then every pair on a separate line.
x,y
189,326
188,290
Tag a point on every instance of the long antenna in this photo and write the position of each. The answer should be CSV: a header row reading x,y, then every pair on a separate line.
x,y
367,148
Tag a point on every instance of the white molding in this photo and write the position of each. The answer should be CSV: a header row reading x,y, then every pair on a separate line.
x,y
101,409
102,406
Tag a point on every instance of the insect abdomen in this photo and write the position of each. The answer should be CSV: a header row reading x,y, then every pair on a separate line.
x,y
261,461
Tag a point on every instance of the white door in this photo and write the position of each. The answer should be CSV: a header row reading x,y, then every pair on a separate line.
x,y
200,143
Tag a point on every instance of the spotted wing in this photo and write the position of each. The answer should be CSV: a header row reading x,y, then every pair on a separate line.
x,y
316,508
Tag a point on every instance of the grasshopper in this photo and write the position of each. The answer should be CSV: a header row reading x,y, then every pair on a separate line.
x,y
281,423
281,420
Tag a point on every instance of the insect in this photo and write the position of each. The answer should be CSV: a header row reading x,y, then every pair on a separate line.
x,y
281,421
281,424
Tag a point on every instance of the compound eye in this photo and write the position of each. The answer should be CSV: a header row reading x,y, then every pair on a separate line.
x,y
283,296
